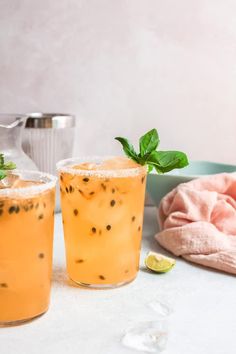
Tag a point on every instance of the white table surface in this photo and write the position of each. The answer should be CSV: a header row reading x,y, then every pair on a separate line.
x,y
86,321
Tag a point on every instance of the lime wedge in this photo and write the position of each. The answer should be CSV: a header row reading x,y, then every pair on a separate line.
x,y
159,263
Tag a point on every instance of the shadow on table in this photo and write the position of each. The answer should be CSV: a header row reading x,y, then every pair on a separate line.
x,y
150,223
205,268
60,278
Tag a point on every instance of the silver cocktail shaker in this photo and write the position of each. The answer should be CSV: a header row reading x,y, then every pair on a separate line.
x,y
48,138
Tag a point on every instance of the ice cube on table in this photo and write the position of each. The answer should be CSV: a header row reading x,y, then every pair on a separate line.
x,y
150,337
163,308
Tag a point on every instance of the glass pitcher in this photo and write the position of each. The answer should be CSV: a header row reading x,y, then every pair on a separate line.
x,y
11,126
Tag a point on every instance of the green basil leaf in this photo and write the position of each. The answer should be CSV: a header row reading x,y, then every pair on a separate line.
x,y
2,174
9,166
128,148
162,161
148,142
1,160
165,161
177,159
150,168
5,166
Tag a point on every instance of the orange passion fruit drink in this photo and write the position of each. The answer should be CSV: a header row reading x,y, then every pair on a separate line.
x,y
102,206
26,238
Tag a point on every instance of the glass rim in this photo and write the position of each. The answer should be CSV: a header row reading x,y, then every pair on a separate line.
x,y
48,182
66,166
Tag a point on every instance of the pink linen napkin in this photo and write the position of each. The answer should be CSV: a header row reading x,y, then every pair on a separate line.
x,y
198,221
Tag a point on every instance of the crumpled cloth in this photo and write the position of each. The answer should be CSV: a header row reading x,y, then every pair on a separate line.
x,y
198,221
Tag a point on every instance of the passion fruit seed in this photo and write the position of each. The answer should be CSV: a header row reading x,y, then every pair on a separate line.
x,y
41,255
71,189
14,209
40,217
103,186
79,261
76,212
102,277
108,227
112,203
94,230
11,210
86,179
133,218
3,285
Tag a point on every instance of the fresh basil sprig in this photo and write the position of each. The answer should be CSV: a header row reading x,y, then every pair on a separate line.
x,y
5,166
162,161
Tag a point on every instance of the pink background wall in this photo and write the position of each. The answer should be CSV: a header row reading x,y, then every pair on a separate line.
x,y
124,66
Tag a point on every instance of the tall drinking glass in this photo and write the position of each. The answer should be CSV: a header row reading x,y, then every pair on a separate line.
x,y
26,238
102,208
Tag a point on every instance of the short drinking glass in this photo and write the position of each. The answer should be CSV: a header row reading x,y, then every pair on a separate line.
x,y
26,238
102,209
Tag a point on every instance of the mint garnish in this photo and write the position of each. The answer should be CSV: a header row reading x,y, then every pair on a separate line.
x,y
5,166
162,161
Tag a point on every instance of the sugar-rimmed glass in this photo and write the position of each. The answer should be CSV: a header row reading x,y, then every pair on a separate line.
x,y
26,224
102,212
